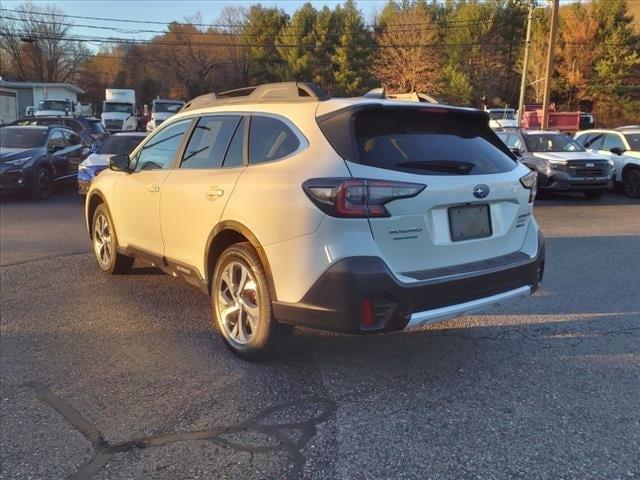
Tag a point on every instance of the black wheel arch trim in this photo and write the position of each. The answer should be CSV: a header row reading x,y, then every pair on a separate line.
x,y
232,225
89,198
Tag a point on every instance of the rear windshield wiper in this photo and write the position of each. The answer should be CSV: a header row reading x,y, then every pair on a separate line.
x,y
439,166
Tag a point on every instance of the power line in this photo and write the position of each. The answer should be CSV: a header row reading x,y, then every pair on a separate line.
x,y
80,38
113,40
238,25
433,27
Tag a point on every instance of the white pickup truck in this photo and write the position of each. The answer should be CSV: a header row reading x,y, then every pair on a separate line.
x,y
55,107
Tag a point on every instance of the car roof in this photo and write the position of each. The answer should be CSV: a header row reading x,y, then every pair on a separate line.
x,y
521,131
129,134
542,132
289,97
32,127
606,130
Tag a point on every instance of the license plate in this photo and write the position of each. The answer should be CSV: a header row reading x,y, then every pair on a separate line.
x,y
469,222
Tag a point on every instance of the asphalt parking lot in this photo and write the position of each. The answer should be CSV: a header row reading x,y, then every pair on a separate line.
x,y
124,378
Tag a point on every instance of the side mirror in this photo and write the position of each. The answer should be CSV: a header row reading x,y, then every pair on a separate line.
x,y
516,151
54,148
120,163
617,150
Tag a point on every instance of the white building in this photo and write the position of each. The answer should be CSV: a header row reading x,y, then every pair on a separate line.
x,y
30,93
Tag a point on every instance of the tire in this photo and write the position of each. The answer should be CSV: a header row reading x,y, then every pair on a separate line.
x,y
105,242
241,304
43,185
631,184
595,195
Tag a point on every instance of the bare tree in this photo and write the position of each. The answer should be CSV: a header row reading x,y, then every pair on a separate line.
x,y
36,42
408,58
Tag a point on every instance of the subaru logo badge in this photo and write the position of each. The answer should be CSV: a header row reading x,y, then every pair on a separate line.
x,y
480,191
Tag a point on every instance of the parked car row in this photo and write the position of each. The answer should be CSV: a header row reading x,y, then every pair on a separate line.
x,y
36,157
589,163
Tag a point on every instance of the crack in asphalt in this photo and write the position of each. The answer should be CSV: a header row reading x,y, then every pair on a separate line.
x,y
103,450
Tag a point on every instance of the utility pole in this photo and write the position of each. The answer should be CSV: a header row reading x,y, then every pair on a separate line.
x,y
525,63
552,43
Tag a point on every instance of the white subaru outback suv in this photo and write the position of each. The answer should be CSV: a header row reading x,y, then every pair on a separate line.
x,y
292,208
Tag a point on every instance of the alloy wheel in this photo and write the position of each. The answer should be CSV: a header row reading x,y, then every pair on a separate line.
x,y
237,305
102,240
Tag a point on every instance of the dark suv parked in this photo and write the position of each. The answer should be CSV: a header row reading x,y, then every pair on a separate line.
x,y
90,129
34,158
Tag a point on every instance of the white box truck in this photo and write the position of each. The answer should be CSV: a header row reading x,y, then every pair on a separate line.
x,y
119,110
161,110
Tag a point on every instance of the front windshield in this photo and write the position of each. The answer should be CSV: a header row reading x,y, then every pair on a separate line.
x,y
117,144
22,137
634,141
117,107
502,115
165,107
552,142
57,105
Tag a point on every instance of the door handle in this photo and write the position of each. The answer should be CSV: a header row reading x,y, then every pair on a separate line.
x,y
214,193
154,188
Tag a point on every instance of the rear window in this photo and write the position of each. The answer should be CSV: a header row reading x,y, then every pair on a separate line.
x,y
429,143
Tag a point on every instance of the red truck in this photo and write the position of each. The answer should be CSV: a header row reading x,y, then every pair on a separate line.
x,y
569,122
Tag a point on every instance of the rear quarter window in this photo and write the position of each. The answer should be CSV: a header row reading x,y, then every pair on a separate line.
x,y
430,143
270,139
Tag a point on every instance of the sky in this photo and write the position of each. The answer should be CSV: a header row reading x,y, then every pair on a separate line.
x,y
167,10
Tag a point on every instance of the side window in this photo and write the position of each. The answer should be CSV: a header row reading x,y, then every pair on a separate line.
x,y
160,149
504,138
235,153
513,141
71,138
209,142
583,139
612,140
595,142
73,125
56,140
270,139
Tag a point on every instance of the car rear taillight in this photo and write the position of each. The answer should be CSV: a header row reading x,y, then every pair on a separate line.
x,y
357,197
530,182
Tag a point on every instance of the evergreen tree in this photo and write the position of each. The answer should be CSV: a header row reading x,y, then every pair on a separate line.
x,y
261,28
353,51
296,44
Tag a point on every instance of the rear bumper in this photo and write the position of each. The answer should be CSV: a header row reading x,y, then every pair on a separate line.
x,y
335,301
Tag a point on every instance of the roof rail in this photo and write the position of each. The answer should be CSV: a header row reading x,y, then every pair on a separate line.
x,y
268,92
381,93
